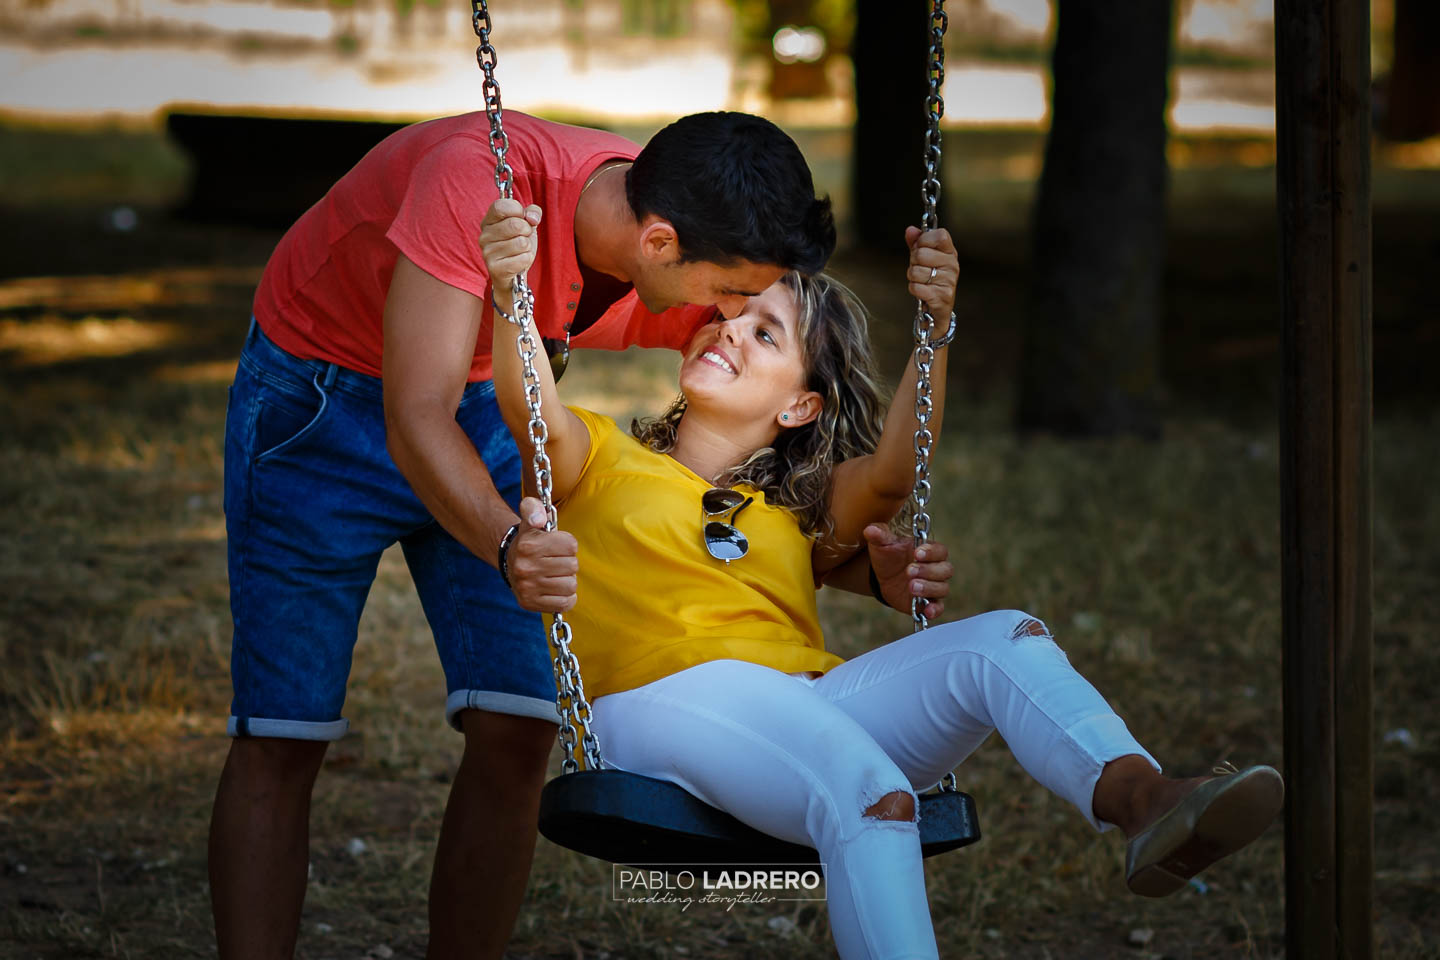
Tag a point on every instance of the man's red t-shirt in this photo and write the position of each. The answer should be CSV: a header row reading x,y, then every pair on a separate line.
x,y
424,191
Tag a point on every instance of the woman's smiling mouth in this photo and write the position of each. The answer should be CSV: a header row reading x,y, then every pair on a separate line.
x,y
717,359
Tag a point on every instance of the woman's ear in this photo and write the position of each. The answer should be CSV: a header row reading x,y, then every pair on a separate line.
x,y
803,409
658,241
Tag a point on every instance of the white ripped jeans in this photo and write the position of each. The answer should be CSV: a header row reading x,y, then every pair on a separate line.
x,y
802,759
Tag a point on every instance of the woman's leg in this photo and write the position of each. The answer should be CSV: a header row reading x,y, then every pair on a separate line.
x,y
767,749
930,699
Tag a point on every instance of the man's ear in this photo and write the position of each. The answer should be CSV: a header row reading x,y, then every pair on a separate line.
x,y
802,410
658,242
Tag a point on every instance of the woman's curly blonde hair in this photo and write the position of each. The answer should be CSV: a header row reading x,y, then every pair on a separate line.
x,y
795,472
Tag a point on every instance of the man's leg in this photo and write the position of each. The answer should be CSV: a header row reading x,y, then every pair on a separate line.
x,y
487,838
259,845
501,695
309,508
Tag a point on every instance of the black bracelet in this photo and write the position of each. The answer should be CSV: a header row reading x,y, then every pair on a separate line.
x,y
507,317
502,562
875,590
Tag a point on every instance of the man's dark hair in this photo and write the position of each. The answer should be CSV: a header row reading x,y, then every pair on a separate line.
x,y
735,187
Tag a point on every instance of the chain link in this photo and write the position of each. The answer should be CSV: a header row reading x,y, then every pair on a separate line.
x,y
570,702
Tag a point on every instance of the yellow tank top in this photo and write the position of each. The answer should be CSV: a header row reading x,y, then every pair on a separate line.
x,y
651,599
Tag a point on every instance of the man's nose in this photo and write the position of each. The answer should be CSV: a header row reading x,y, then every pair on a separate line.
x,y
731,307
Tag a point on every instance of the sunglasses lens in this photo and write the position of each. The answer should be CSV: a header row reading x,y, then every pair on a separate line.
x,y
559,353
725,542
720,500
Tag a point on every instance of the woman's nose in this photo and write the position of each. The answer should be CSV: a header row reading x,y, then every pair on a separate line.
x,y
730,330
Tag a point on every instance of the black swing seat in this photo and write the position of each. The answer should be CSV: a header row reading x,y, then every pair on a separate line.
x,y
635,820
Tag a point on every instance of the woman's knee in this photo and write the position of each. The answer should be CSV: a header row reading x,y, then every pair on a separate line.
x,y
1014,625
991,635
896,805
1027,626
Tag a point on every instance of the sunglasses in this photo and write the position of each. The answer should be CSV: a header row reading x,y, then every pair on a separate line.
x,y
559,353
722,539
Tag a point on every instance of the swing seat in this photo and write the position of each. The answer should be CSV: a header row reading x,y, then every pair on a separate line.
x,y
635,820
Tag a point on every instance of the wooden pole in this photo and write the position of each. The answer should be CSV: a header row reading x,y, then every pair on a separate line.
x,y
1322,66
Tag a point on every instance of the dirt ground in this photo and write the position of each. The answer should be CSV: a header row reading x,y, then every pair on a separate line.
x,y
1156,565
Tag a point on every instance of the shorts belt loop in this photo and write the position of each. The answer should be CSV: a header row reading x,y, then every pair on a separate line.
x,y
331,372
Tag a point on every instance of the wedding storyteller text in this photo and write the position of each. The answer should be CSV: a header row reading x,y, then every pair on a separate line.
x,y
727,885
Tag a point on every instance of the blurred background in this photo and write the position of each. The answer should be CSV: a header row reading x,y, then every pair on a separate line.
x,y
1109,463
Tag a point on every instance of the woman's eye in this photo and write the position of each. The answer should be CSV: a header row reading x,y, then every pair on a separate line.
x,y
765,335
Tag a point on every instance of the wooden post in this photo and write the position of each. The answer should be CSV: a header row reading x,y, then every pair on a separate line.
x,y
1322,68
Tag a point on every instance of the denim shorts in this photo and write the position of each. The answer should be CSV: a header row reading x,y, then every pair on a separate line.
x,y
312,499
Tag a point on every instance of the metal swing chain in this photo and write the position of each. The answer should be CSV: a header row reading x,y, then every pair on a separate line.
x,y
924,321
570,704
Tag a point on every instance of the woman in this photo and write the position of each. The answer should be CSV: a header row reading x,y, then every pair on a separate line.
x,y
702,540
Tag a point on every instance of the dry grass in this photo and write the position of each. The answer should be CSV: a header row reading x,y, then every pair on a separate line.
x,y
1156,566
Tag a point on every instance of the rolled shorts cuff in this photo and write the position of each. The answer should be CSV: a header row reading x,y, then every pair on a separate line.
x,y
287,729
497,702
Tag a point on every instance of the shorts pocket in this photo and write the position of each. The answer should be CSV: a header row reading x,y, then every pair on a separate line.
x,y
283,420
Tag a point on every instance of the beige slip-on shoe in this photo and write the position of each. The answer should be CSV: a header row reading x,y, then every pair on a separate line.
x,y
1214,820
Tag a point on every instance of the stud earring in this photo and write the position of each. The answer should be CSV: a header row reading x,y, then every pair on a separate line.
x,y
784,416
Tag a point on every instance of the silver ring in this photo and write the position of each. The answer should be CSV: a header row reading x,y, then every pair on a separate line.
x,y
933,271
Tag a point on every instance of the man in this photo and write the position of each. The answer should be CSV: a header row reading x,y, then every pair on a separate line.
x,y
382,282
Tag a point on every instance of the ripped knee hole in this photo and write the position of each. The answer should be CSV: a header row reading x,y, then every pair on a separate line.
x,y
1029,627
898,805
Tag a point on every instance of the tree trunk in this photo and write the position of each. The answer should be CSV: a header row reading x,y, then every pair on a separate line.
x,y
890,52
1412,100
1090,364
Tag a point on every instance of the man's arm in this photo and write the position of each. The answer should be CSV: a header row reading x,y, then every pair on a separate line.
x,y
430,333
